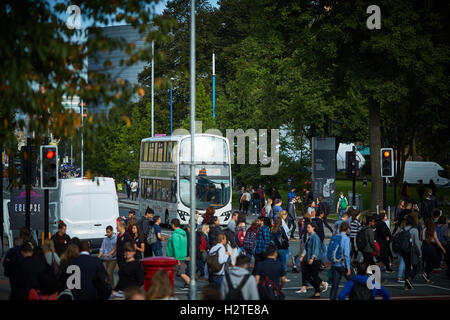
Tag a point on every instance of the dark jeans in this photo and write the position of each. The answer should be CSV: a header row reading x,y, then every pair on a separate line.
x,y
255,206
217,280
157,250
396,227
447,258
325,223
385,254
294,227
353,249
410,269
368,258
246,205
148,252
304,281
337,274
429,254
259,257
312,274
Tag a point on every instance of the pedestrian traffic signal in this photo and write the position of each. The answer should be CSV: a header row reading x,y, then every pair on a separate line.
x,y
49,167
387,163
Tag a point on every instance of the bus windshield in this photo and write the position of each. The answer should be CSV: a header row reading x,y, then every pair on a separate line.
x,y
213,192
212,185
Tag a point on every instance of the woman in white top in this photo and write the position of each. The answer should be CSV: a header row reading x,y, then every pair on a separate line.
x,y
269,210
246,197
134,187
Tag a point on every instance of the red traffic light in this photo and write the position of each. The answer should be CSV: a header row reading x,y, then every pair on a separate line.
x,y
50,154
386,154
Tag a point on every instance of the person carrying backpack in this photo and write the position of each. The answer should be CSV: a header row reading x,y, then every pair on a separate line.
x,y
339,255
280,239
12,258
357,289
217,257
239,284
249,243
262,241
342,204
410,250
240,237
365,241
270,276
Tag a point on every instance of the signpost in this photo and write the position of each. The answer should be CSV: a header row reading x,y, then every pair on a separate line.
x,y
324,169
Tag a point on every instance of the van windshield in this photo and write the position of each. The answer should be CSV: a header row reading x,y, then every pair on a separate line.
x,y
443,174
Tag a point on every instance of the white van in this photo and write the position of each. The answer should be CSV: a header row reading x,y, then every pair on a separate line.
x,y
425,171
87,207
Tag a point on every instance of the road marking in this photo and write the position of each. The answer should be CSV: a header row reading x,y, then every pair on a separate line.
x,y
386,285
438,287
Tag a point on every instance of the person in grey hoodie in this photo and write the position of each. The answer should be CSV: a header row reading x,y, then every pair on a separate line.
x,y
236,275
413,259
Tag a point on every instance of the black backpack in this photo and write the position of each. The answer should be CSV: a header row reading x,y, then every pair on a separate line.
x,y
360,291
281,240
235,293
401,243
361,242
268,290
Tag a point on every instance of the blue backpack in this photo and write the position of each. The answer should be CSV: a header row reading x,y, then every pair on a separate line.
x,y
335,252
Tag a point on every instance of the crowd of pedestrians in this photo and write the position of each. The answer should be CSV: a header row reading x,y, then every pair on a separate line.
x,y
241,261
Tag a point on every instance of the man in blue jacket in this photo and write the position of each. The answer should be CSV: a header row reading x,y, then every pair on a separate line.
x,y
357,288
291,194
341,268
277,208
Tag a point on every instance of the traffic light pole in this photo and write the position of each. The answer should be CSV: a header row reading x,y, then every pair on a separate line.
x,y
28,185
46,205
1,200
354,177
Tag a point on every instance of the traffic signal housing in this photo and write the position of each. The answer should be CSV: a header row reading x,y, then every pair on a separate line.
x,y
49,167
387,162
352,165
28,167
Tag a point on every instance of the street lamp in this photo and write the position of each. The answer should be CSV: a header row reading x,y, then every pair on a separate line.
x,y
171,79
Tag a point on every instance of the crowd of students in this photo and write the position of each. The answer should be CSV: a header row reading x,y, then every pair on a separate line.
x,y
225,256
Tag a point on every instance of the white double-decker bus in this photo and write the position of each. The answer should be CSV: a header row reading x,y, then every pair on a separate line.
x,y
164,176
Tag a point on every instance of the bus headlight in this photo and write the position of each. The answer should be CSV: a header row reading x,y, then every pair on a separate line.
x,y
183,215
226,214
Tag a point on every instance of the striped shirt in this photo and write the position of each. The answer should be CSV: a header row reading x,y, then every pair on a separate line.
x,y
355,227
